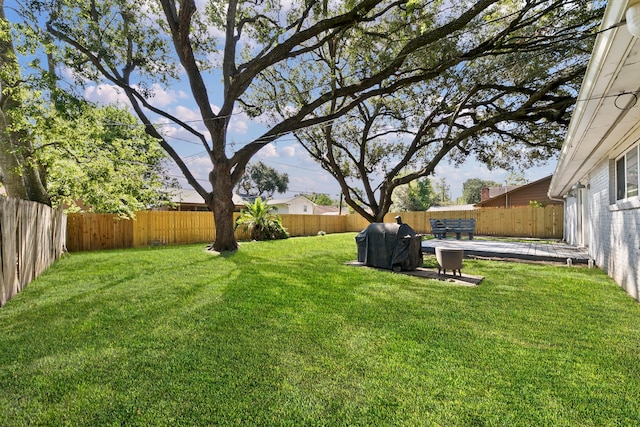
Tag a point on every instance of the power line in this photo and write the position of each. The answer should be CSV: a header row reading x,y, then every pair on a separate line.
x,y
293,166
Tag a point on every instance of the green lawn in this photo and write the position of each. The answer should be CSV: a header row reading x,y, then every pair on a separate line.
x,y
283,333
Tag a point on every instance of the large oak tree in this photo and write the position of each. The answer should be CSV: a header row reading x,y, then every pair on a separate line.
x,y
136,43
501,88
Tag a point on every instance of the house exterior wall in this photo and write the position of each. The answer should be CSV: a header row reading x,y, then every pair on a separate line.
x,y
521,196
295,206
301,206
281,209
614,231
496,202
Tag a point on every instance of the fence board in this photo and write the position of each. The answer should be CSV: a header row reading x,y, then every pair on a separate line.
x,y
32,237
8,229
10,263
102,231
172,227
527,221
28,223
91,231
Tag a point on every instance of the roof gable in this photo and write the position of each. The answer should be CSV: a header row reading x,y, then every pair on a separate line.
x,y
520,190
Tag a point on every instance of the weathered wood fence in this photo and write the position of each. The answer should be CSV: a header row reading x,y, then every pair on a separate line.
x,y
103,231
32,237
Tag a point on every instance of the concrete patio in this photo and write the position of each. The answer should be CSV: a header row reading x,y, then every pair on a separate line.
x,y
532,250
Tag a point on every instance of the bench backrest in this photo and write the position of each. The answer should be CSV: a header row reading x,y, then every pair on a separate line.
x,y
460,222
438,224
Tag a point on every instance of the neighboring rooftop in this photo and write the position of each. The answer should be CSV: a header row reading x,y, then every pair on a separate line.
x,y
522,195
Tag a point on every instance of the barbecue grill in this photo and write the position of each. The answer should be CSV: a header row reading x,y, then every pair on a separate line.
x,y
394,246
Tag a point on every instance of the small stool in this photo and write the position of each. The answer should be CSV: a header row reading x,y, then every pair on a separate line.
x,y
449,259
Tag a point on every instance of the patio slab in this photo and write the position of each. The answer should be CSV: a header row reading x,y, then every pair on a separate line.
x,y
525,250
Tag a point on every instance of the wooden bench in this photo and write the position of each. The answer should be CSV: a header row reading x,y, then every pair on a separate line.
x,y
440,227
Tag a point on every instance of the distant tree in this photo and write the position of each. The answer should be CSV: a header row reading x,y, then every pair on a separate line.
x,y
261,221
443,197
321,199
516,178
262,180
415,196
472,189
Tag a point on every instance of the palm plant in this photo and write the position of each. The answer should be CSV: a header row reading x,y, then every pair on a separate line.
x,y
261,221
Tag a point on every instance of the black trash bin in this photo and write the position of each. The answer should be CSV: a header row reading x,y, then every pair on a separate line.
x,y
392,246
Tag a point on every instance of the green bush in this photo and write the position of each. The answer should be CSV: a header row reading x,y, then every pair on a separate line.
x,y
261,221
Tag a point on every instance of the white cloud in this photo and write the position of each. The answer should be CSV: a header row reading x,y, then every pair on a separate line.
x,y
288,151
186,114
105,94
199,167
239,124
312,182
163,97
269,151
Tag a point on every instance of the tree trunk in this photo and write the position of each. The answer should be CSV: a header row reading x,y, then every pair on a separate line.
x,y
20,177
20,173
10,169
221,203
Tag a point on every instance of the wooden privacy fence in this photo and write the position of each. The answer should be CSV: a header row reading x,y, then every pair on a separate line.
x,y
87,231
545,223
32,237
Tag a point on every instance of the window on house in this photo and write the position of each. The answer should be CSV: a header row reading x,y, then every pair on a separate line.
x,y
304,208
627,175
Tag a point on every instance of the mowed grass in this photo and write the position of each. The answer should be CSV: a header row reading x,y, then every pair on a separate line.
x,y
283,333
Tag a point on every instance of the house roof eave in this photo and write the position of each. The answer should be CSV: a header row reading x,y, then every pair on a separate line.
x,y
603,117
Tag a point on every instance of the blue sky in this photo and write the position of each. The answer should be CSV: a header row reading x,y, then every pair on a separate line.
x,y
285,154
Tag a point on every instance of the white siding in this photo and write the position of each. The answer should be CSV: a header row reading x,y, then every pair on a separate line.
x,y
281,209
615,232
300,205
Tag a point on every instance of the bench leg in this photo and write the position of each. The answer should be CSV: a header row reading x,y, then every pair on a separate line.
x,y
457,235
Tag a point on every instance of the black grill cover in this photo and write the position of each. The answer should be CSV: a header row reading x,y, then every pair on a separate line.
x,y
388,245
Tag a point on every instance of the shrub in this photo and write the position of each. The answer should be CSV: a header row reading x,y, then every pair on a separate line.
x,y
261,221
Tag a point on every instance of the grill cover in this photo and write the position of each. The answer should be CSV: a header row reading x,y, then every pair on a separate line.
x,y
391,246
